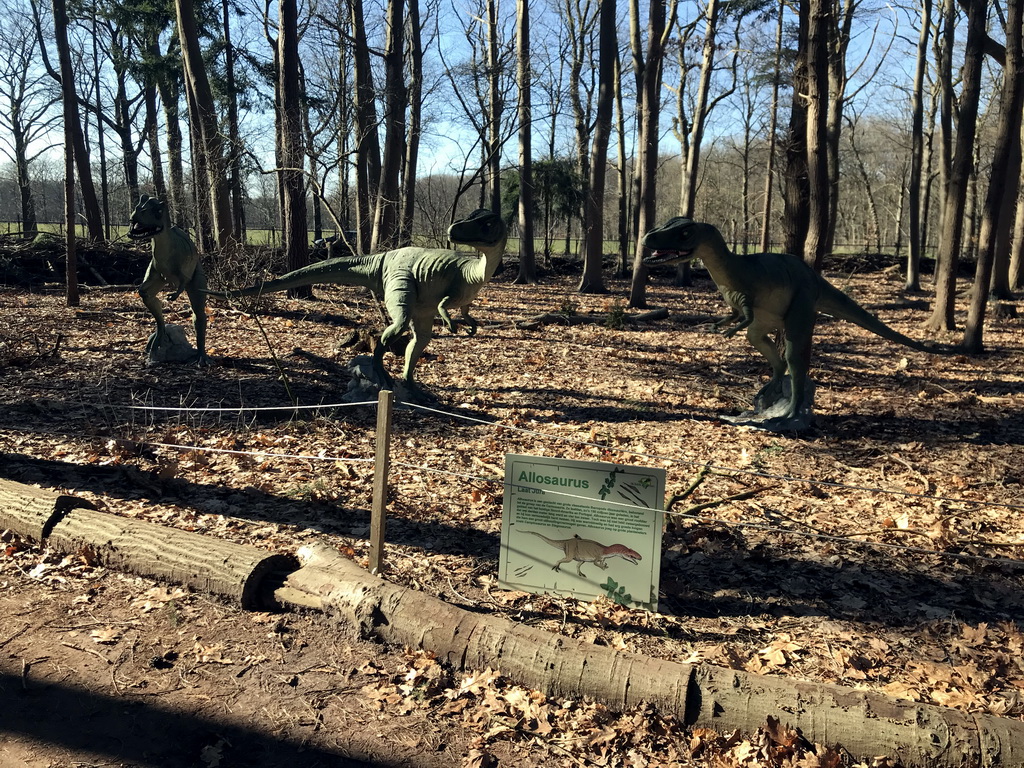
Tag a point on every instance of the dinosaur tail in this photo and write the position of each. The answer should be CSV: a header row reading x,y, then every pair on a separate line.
x,y
542,536
346,270
834,302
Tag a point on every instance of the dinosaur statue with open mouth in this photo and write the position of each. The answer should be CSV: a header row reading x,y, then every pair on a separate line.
x,y
174,267
768,292
417,284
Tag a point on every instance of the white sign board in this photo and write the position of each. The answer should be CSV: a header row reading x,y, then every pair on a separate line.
x,y
584,528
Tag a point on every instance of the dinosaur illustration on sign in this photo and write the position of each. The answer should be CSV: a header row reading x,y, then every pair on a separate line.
x,y
588,551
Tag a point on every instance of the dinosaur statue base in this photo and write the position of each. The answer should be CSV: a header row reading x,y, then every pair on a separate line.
x,y
172,347
365,384
770,414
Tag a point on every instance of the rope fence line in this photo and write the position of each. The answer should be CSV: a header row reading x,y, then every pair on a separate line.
x,y
761,527
734,470
258,454
624,451
237,409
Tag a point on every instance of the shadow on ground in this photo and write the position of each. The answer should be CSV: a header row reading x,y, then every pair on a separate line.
x,y
142,733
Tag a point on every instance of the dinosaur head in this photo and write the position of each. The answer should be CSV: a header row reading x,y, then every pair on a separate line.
x,y
148,219
673,242
621,550
482,228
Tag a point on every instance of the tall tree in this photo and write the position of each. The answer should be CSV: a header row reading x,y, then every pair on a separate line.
x,y
26,105
386,221
773,119
1000,182
819,26
294,230
203,114
581,19
234,143
960,171
593,250
71,126
368,162
914,183
527,257
74,136
415,120
649,109
795,188
496,101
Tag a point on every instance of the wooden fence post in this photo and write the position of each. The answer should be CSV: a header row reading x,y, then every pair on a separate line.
x,y
381,468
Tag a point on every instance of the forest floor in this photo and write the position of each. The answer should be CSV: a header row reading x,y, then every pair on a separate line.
x,y
882,549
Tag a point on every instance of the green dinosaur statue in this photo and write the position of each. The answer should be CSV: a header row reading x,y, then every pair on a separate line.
x,y
175,267
767,292
417,285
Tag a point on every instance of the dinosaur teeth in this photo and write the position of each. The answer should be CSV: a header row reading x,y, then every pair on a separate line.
x,y
661,256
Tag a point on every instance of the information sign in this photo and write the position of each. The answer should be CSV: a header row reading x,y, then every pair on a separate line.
x,y
584,528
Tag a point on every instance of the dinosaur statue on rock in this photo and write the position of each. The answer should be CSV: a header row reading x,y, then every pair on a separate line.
x,y
768,292
417,285
175,266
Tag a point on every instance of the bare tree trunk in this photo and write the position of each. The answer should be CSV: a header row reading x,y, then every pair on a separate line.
x,y
234,135
71,124
153,139
386,222
580,18
200,173
368,162
947,99
688,192
796,190
837,31
101,142
873,238
818,29
412,142
773,120
647,156
1016,276
496,101
960,173
294,230
170,97
1000,181
90,204
593,248
916,234
527,257
622,171
206,118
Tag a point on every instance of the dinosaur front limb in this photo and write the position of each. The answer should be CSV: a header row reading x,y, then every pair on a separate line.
x,y
471,323
450,324
743,310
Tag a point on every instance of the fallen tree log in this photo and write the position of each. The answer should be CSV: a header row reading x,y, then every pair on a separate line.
x,y
205,563
865,723
31,512
70,525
